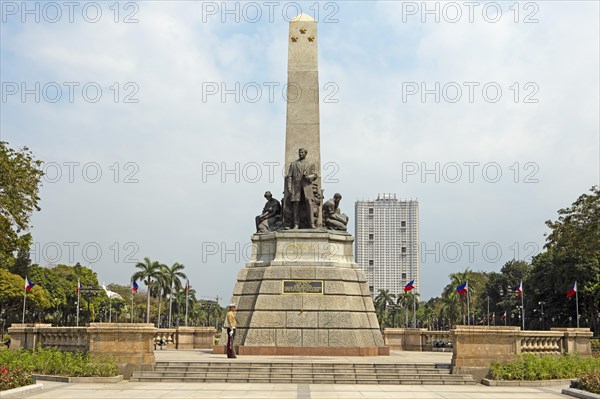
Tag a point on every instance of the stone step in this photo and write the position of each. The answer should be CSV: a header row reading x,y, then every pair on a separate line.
x,y
274,380
307,364
300,370
303,373
234,374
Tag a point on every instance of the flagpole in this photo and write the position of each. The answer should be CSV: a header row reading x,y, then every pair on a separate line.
x,y
24,300
577,303
109,309
187,293
468,306
523,309
488,311
132,302
78,303
414,311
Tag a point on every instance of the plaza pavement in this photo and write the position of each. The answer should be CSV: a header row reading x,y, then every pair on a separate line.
x,y
142,390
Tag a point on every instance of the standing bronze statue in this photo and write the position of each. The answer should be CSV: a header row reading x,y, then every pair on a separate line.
x,y
268,220
333,219
299,181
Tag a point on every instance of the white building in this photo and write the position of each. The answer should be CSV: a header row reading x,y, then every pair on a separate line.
x,y
387,243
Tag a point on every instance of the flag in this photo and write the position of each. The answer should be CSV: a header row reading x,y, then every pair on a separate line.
x,y
573,290
503,316
519,290
28,284
493,317
134,286
409,286
462,289
187,286
79,286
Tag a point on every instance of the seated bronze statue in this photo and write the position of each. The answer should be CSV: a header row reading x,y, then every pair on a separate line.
x,y
333,219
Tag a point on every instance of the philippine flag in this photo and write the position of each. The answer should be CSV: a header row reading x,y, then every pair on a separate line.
x,y
134,286
462,289
409,286
187,286
519,290
503,316
28,284
79,286
573,290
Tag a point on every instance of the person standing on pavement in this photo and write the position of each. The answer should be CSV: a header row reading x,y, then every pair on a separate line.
x,y
231,327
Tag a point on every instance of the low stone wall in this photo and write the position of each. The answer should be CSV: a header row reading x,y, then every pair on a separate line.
x,y
129,344
475,347
414,339
195,337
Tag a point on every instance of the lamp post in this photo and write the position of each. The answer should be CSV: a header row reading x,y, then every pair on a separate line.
x,y
56,303
542,303
3,319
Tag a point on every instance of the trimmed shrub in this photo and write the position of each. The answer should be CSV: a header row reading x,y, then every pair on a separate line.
x,y
55,362
530,367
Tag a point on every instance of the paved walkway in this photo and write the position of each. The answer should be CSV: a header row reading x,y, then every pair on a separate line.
x,y
141,390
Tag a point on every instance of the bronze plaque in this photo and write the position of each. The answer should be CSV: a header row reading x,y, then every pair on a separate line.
x,y
302,287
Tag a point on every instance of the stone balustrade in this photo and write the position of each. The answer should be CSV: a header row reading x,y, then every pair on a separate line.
x,y
542,342
165,335
64,338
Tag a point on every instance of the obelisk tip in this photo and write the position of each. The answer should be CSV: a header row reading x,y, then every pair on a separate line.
x,y
303,18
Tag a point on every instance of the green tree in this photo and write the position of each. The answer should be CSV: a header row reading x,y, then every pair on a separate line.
x,y
383,301
173,276
572,254
11,291
149,272
20,178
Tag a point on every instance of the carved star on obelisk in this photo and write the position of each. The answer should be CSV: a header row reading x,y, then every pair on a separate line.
x,y
311,38
294,39
303,30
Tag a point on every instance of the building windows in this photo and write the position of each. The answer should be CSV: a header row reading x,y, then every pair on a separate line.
x,y
389,237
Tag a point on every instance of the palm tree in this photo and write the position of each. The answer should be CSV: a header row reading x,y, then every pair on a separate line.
x,y
429,316
404,300
160,289
451,297
382,300
173,276
149,273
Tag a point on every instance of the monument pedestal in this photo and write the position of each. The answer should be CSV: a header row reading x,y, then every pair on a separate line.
x,y
302,294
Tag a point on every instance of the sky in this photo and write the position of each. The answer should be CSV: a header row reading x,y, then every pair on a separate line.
x,y
162,123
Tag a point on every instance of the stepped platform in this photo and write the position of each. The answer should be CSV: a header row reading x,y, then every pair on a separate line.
x,y
407,368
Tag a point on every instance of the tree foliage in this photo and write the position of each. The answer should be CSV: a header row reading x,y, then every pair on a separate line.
x,y
20,178
572,254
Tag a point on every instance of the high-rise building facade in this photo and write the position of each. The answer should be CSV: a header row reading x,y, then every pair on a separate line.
x,y
387,243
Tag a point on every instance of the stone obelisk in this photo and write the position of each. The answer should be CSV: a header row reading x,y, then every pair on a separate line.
x,y
302,123
301,293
